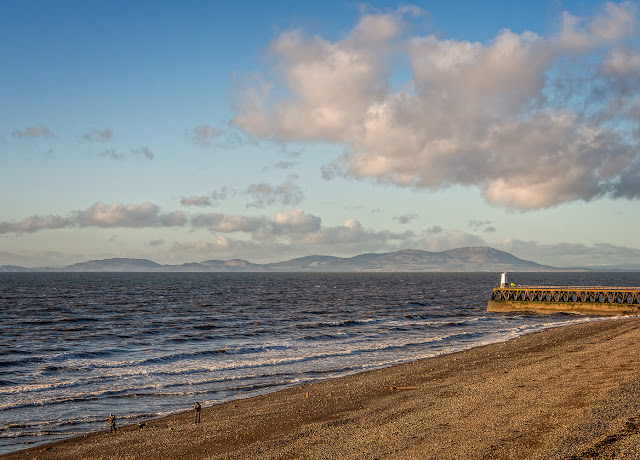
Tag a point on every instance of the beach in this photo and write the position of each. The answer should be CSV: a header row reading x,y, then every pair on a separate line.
x,y
567,392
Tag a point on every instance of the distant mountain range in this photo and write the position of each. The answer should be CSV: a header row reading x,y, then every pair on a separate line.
x,y
481,258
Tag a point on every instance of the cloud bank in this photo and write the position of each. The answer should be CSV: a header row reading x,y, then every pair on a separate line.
x,y
292,230
573,254
531,121
117,215
291,233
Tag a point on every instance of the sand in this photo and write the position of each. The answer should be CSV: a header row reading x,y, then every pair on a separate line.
x,y
564,393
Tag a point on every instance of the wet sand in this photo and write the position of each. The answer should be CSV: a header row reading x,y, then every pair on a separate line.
x,y
563,393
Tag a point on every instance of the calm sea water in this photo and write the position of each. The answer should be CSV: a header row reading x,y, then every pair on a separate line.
x,y
76,346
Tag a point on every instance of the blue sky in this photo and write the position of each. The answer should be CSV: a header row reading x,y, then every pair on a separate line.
x,y
189,131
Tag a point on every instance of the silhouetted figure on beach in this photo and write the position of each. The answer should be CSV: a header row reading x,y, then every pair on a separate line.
x,y
198,408
112,423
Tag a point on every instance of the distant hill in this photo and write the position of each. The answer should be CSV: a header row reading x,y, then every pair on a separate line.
x,y
308,263
234,265
481,258
114,265
463,259
13,269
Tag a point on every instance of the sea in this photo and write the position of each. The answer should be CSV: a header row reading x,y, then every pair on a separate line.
x,y
75,347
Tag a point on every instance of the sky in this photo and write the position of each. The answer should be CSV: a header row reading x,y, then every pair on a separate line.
x,y
190,131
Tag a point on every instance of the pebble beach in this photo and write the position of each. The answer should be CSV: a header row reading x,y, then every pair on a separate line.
x,y
570,392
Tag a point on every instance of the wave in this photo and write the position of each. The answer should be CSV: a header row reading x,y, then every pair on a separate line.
x,y
257,381
62,427
240,350
91,360
333,324
59,357
40,433
326,337
188,365
90,396
132,387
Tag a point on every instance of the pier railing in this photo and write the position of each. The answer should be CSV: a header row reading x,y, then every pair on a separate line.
x,y
568,294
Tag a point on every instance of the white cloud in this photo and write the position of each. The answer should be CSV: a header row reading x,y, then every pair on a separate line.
x,y
475,223
487,115
296,221
285,164
350,237
98,135
213,199
112,154
203,135
33,132
228,223
614,21
435,230
196,201
34,224
143,151
479,224
131,216
222,194
622,61
288,193
406,218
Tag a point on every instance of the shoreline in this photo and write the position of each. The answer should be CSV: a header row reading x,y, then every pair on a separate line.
x,y
563,392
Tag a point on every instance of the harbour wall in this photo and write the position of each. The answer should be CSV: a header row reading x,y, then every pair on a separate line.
x,y
595,300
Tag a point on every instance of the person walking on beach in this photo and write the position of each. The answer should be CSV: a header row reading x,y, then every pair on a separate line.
x,y
198,408
112,423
